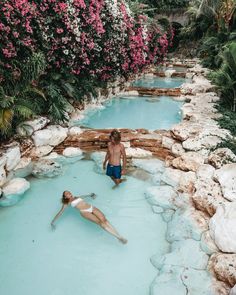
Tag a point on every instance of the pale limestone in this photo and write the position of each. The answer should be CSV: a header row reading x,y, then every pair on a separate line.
x,y
208,196
224,267
221,156
72,152
177,149
223,227
167,142
226,176
40,151
189,161
52,135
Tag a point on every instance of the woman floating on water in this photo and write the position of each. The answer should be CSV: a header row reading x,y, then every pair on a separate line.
x,y
87,211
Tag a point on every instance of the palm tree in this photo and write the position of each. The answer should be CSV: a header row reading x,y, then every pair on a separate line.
x,y
225,77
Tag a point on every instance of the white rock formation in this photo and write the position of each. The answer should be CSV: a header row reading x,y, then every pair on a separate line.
x,y
226,176
12,157
223,227
137,153
98,158
13,190
208,196
46,168
24,168
161,196
177,149
221,156
152,166
207,243
74,131
52,135
40,151
72,152
2,170
224,267
189,161
27,128
168,142
188,224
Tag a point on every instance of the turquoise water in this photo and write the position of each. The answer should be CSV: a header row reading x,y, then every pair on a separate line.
x,y
136,112
79,257
158,82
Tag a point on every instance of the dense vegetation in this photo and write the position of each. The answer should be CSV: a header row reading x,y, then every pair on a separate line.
x,y
55,52
213,25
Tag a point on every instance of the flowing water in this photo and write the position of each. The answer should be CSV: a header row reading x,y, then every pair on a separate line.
x,y
79,257
135,112
158,82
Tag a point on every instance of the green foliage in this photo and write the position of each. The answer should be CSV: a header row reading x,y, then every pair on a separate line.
x,y
228,143
228,119
12,111
167,5
225,77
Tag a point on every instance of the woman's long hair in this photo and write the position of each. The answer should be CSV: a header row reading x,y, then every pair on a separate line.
x,y
65,200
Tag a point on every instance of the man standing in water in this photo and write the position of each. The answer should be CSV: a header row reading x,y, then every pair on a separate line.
x,y
115,152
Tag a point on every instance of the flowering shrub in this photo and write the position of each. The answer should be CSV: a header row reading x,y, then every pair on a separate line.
x,y
98,37
52,50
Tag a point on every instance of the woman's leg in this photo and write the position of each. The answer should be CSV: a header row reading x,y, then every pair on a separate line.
x,y
91,217
107,226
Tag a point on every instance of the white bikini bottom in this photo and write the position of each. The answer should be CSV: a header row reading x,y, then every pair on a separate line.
x,y
89,210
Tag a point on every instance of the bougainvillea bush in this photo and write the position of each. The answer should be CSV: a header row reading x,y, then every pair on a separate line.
x,y
46,41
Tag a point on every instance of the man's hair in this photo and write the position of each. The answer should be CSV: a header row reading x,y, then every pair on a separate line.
x,y
116,135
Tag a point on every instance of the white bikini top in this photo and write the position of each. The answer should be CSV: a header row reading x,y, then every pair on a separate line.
x,y
75,202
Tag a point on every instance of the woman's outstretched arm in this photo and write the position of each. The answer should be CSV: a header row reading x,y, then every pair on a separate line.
x,y
58,215
92,195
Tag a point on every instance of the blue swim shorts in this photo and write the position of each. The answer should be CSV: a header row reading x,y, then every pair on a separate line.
x,y
114,171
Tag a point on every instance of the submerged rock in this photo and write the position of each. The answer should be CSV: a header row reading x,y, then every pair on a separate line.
x,y
12,155
24,168
223,227
150,165
46,168
181,255
188,224
98,158
13,190
161,196
137,153
198,282
168,281
171,176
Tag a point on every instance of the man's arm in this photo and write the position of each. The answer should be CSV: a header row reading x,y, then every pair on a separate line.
x,y
124,159
92,195
106,158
